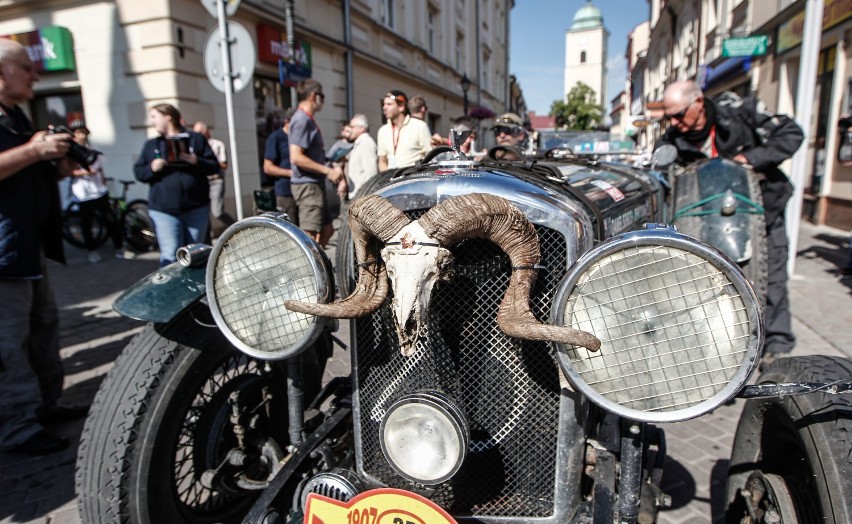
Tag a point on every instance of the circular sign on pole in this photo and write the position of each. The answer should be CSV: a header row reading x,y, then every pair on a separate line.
x,y
230,7
243,57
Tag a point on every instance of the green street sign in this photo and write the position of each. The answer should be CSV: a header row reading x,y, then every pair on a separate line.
x,y
745,46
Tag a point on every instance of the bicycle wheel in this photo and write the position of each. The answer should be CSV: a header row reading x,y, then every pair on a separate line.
x,y
72,228
138,228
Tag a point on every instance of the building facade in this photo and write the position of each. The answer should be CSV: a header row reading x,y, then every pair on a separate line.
x,y
106,62
754,47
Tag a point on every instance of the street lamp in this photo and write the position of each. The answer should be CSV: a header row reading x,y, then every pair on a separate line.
x,y
465,85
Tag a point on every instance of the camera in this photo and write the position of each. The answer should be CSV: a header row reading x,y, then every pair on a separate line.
x,y
80,154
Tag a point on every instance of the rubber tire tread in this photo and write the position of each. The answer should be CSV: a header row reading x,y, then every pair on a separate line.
x,y
824,424
111,429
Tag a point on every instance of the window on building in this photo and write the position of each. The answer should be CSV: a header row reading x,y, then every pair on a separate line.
x,y
388,13
57,110
582,57
431,17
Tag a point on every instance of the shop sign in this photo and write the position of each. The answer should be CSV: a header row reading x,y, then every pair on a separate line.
x,y
272,49
745,46
50,48
790,32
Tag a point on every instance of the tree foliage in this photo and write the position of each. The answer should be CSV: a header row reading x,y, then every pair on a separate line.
x,y
579,111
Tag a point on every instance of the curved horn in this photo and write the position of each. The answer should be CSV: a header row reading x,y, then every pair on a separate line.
x,y
496,219
370,218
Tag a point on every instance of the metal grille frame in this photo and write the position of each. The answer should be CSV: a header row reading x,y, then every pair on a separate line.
x,y
316,275
741,364
525,440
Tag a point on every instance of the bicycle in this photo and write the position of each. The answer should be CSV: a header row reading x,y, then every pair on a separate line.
x,y
137,226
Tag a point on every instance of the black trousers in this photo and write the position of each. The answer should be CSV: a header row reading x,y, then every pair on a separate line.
x,y
779,333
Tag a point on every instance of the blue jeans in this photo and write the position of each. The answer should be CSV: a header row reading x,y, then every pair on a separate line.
x,y
174,231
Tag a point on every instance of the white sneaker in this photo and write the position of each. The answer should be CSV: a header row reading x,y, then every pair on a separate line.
x,y
125,254
94,257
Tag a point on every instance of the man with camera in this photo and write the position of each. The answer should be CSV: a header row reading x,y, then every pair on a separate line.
x,y
31,373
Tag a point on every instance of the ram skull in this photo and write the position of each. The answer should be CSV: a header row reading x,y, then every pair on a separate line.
x,y
415,257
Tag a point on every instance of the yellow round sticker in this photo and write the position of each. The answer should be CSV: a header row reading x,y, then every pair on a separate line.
x,y
378,506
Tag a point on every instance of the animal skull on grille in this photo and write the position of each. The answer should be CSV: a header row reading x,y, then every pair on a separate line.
x,y
415,257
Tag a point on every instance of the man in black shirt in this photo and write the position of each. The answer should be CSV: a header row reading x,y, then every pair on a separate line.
x,y
744,131
31,373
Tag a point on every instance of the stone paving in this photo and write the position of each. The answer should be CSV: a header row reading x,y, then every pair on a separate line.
x,y
41,489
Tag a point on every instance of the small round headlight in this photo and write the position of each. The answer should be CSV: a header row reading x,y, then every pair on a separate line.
x,y
425,437
256,265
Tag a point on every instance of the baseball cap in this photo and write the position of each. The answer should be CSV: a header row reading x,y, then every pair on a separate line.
x,y
508,119
74,125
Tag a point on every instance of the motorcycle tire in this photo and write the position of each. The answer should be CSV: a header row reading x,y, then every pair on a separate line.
x,y
138,227
161,419
72,228
800,444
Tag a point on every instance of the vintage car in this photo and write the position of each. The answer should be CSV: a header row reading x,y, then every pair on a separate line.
x,y
521,332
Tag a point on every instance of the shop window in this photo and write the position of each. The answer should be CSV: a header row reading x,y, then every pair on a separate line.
x,y
270,97
59,109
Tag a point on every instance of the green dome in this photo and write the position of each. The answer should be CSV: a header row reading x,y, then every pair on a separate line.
x,y
587,17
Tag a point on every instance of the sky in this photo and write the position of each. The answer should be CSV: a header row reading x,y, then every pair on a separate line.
x,y
537,47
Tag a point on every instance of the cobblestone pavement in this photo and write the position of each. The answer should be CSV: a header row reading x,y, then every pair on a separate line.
x,y
41,489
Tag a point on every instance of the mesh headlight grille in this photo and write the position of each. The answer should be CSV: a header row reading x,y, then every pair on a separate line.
x,y
678,323
255,266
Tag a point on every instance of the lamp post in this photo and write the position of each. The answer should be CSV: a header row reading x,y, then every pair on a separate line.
x,y
465,85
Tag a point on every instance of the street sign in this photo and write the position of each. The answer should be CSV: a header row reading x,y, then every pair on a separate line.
x,y
230,7
243,57
745,46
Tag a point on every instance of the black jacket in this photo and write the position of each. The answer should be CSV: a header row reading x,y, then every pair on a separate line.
x,y
177,188
744,127
30,215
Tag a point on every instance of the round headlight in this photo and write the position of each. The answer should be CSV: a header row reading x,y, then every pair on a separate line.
x,y
679,324
256,265
425,437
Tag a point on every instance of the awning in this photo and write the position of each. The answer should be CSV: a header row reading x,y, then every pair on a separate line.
x,y
725,70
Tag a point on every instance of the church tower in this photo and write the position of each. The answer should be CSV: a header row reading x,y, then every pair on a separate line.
x,y
585,53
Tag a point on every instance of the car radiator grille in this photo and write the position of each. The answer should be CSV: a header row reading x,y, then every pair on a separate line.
x,y
508,388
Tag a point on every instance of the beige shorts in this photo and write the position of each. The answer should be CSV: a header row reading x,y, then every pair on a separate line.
x,y
313,208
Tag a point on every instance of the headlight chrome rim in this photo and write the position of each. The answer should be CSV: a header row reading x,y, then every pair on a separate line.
x,y
316,260
664,238
447,408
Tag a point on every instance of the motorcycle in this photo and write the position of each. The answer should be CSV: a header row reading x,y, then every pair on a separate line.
x,y
520,330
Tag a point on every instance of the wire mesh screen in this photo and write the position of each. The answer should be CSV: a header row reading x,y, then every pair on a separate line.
x,y
674,330
507,388
257,270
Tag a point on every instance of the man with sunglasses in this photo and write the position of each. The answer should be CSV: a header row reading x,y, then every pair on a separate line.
x,y
742,130
403,140
509,131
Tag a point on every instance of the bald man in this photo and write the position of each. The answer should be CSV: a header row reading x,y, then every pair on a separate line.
x,y
742,130
31,373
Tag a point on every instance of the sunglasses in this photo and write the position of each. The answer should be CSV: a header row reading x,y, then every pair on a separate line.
x,y
398,98
321,96
498,130
680,114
